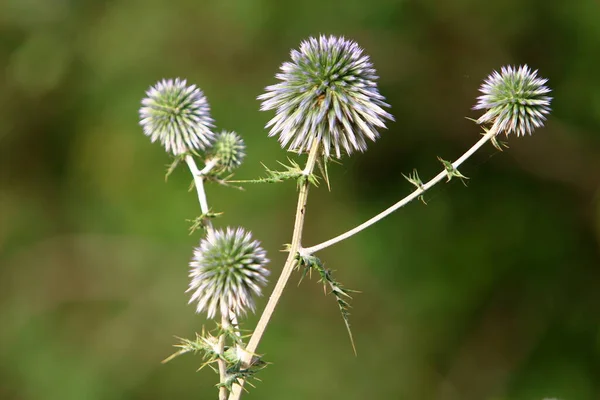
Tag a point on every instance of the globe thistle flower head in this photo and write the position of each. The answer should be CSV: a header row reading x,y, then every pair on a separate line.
x,y
229,149
178,116
327,92
515,99
227,271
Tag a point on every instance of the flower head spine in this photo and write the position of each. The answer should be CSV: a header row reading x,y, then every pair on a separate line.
x,y
178,116
327,92
515,99
227,271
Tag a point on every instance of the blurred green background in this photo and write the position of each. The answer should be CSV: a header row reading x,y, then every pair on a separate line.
x,y
488,292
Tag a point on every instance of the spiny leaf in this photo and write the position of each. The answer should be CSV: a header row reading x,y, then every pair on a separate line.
x,y
323,168
236,372
188,346
292,171
452,172
311,178
233,377
499,144
414,179
174,165
341,293
223,181
201,221
208,345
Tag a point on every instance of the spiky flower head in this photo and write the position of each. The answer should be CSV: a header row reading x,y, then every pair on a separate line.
x,y
327,92
177,115
227,271
229,149
515,100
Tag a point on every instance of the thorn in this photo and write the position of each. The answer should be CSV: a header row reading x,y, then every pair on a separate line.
x,y
500,145
173,165
451,171
414,179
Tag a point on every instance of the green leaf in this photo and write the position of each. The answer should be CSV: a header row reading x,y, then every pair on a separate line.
x,y
174,165
414,179
452,172
292,171
500,145
342,294
323,168
201,221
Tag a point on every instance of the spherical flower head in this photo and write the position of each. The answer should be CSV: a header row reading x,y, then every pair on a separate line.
x,y
327,92
178,116
515,100
227,270
229,149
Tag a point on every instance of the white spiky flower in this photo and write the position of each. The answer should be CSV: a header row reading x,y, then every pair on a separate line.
x,y
227,271
515,99
178,116
327,92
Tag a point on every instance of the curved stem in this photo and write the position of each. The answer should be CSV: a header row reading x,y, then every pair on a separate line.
x,y
287,268
422,189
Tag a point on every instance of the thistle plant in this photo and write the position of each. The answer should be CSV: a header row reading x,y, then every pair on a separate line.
x,y
327,104
178,116
328,94
227,270
516,100
228,150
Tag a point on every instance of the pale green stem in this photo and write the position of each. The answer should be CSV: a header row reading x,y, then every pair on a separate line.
x,y
418,192
199,183
223,392
287,268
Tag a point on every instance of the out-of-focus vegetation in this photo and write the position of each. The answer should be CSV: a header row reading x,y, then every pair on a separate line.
x,y
488,292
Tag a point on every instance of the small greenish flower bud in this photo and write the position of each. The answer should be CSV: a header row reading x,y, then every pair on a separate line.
x,y
178,116
227,271
229,149
327,92
515,100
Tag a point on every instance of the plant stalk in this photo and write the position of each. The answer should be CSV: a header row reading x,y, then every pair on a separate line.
x,y
199,184
287,268
223,392
415,194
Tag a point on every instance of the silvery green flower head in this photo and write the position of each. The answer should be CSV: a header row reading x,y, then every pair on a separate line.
x,y
229,149
227,271
327,92
178,116
515,99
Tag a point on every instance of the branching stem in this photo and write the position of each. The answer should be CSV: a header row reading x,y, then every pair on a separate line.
x,y
199,183
287,268
415,194
296,247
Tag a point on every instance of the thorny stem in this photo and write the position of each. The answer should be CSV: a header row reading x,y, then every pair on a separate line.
x,y
223,392
418,192
199,183
288,267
